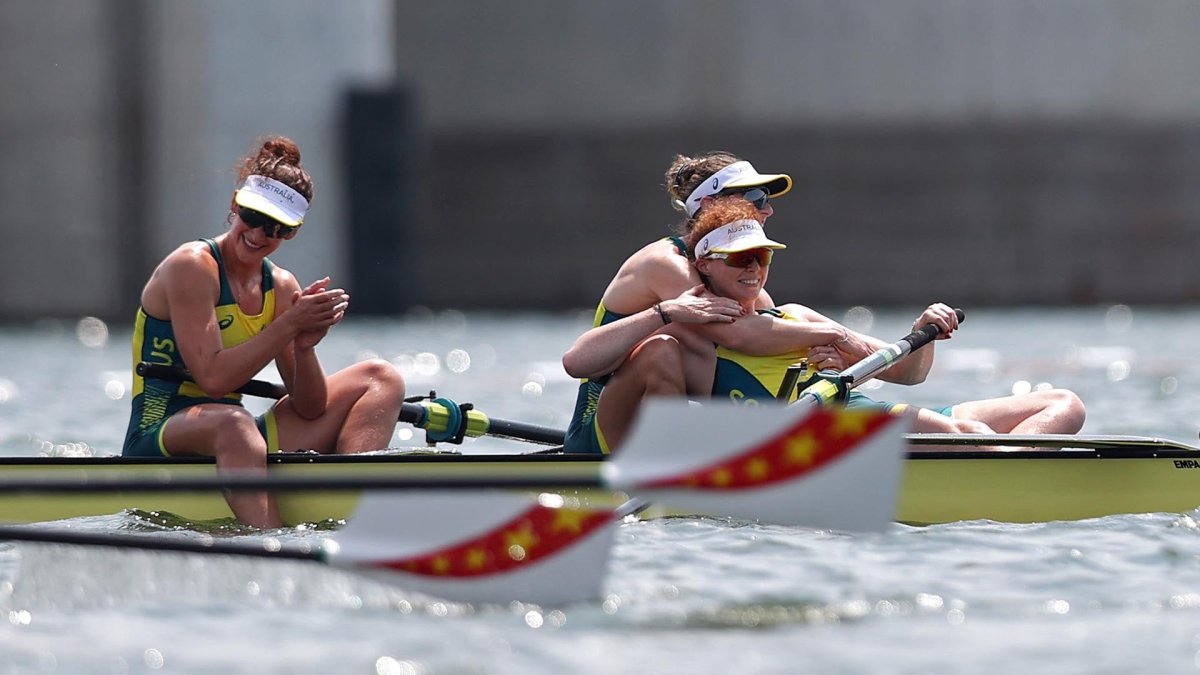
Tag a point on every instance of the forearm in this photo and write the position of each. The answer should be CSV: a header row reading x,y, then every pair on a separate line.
x,y
221,372
307,386
763,335
602,349
915,368
911,370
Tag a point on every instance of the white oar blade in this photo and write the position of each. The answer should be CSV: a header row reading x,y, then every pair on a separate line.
x,y
479,547
823,467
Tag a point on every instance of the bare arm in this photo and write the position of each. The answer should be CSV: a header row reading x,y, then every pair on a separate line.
x,y
765,335
915,368
655,275
602,349
186,287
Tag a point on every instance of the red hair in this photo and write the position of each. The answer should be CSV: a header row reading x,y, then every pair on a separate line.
x,y
722,211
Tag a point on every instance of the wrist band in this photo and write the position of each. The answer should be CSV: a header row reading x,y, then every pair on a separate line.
x,y
662,313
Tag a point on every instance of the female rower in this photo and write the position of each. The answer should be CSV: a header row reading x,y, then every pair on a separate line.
x,y
733,255
655,286
221,309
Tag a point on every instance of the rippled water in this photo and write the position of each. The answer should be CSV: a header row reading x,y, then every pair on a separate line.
x,y
1114,595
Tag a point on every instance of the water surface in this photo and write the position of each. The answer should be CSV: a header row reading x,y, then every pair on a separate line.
x,y
1114,595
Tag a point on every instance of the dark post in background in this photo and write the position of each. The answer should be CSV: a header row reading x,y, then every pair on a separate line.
x,y
381,171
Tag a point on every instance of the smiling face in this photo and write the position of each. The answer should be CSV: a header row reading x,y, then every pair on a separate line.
x,y
253,243
731,250
726,277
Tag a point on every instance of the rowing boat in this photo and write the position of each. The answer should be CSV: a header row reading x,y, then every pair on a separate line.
x,y
947,478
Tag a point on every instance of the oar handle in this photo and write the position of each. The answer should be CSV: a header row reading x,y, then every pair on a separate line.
x,y
834,385
159,371
445,420
448,421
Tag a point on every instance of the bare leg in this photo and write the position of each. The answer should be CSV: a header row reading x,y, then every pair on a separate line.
x,y
699,361
364,405
1056,411
228,433
930,422
653,368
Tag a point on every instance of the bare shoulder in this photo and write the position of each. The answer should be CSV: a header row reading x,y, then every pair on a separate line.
x,y
655,272
188,271
189,262
284,280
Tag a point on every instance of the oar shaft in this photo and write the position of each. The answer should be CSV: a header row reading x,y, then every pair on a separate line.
x,y
885,357
433,416
826,391
264,549
158,483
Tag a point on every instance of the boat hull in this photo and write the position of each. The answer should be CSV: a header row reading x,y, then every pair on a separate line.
x,y
1026,485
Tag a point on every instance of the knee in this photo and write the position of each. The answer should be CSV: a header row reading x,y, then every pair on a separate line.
x,y
659,359
383,376
661,353
1068,409
236,432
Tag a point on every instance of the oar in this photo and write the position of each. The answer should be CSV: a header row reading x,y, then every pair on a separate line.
x,y
826,468
481,547
821,467
442,419
833,386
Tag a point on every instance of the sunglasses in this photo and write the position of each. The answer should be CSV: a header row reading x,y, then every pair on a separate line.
x,y
743,258
756,196
271,227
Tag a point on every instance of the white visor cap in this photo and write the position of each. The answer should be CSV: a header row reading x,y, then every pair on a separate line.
x,y
737,175
272,198
740,235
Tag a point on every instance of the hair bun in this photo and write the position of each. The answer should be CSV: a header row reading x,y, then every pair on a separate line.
x,y
282,148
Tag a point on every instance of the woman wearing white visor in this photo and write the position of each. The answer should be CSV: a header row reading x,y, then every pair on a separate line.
x,y
658,285
221,310
733,256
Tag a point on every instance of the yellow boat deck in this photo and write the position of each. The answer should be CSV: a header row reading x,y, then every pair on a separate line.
x,y
1020,485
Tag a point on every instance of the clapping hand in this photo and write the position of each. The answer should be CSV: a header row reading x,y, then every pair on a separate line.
x,y
316,309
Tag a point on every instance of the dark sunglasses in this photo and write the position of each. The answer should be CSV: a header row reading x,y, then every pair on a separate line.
x,y
743,258
271,227
756,196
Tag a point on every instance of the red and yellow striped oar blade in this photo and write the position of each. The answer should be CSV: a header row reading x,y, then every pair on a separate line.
x,y
824,467
479,547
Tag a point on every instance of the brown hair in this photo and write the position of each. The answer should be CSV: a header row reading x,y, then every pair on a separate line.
x,y
687,173
277,157
722,211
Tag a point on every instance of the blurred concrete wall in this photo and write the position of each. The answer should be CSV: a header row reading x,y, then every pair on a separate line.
x,y
992,151
121,121
977,152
